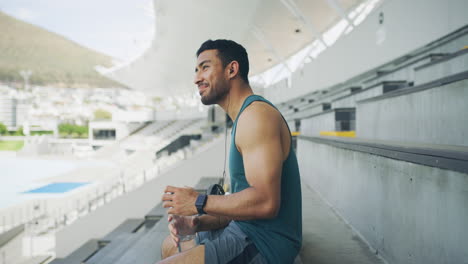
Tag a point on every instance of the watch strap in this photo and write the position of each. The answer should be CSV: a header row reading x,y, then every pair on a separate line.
x,y
200,203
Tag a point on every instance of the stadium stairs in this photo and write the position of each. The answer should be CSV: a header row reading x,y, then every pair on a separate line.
x,y
133,241
396,193
400,184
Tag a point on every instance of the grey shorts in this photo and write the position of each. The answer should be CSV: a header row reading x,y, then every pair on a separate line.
x,y
229,245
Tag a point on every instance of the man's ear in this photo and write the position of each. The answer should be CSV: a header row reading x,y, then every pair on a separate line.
x,y
233,68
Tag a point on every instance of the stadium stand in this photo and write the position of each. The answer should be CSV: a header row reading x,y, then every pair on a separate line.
x,y
339,119
177,144
153,136
403,70
133,241
430,113
377,89
396,196
10,234
442,67
398,184
307,111
136,241
399,181
397,191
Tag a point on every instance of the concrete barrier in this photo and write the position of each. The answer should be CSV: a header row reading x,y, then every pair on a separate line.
x,y
449,65
330,120
428,114
408,212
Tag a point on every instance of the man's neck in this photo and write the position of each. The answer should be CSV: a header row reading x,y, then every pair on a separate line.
x,y
234,100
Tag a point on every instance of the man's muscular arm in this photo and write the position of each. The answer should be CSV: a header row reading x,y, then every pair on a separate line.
x,y
258,138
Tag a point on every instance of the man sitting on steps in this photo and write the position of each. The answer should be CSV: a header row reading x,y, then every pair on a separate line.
x,y
261,221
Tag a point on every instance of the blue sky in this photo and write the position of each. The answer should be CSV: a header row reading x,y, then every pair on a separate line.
x,y
122,29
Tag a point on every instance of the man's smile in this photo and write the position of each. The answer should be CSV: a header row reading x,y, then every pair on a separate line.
x,y
202,87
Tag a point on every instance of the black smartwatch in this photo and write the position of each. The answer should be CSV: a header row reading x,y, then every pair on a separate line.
x,y
200,203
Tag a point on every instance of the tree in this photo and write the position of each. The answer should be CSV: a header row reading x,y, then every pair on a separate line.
x,y
3,129
81,130
66,128
19,132
72,130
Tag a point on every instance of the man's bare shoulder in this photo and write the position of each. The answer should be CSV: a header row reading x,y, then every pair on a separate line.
x,y
259,113
257,122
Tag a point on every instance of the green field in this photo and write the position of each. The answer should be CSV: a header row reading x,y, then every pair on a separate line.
x,y
11,145
53,59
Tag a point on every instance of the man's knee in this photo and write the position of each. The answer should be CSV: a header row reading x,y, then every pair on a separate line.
x,y
168,248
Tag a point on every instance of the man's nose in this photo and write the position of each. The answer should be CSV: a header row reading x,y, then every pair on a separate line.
x,y
197,78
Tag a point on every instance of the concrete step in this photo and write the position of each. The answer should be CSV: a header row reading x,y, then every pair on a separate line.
x,y
446,66
128,226
327,239
115,249
148,248
79,255
36,260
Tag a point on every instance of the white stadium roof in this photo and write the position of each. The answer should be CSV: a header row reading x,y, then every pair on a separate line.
x,y
279,36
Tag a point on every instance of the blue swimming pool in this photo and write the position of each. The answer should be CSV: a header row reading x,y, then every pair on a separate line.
x,y
58,187
22,174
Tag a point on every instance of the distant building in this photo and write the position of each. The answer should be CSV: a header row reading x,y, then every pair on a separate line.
x,y
13,112
7,110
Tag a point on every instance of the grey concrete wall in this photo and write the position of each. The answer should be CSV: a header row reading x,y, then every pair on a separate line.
x,y
318,108
443,69
434,116
332,96
409,213
287,112
404,74
292,125
140,201
301,105
350,101
407,26
312,126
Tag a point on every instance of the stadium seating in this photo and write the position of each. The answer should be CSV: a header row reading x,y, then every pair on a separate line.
x,y
133,241
396,195
403,69
339,119
179,143
312,109
443,67
400,182
368,92
81,254
399,185
430,113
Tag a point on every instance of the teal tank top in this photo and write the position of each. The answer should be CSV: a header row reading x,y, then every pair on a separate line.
x,y
279,239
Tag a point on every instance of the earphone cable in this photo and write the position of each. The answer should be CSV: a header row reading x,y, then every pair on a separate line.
x,y
225,142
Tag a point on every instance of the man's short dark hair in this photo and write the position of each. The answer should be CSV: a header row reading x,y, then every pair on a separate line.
x,y
228,51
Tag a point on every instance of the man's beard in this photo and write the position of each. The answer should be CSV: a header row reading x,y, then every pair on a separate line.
x,y
215,95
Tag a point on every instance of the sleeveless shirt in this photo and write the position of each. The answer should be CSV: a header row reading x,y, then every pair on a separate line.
x,y
278,239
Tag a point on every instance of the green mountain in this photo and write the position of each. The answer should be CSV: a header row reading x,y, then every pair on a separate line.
x,y
53,59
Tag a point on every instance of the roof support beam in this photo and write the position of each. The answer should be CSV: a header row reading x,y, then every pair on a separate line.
x,y
296,12
339,9
261,37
